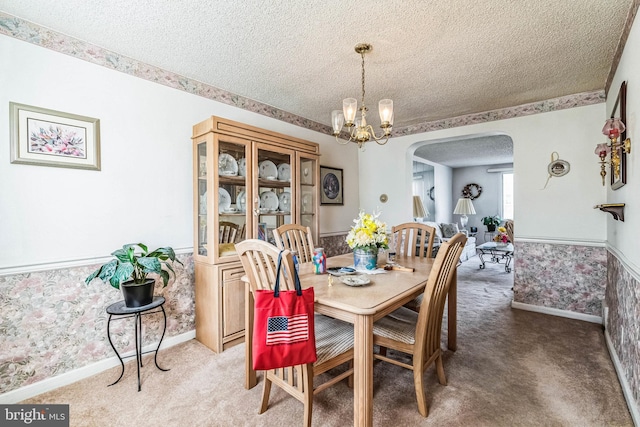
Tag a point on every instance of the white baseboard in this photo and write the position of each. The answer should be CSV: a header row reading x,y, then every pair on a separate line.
x,y
557,312
70,377
626,389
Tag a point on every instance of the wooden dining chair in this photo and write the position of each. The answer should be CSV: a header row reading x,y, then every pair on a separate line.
x,y
241,234
295,238
334,338
509,227
228,232
413,239
418,334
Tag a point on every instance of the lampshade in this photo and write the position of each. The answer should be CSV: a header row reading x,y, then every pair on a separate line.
x,y
613,127
464,207
419,210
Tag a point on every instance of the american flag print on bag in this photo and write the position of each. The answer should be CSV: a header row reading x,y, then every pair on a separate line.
x,y
287,329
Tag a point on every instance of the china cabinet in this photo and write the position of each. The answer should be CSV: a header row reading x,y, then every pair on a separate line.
x,y
247,181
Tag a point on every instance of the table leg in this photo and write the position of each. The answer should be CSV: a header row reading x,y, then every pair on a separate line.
x,y
164,329
480,255
452,313
250,379
138,328
363,371
114,350
507,263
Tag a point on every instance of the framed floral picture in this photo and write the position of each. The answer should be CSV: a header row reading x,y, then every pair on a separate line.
x,y
332,186
44,137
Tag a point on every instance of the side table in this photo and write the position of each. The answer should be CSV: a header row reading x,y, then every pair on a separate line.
x,y
490,234
122,311
496,254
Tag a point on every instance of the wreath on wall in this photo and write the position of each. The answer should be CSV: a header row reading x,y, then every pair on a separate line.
x,y
471,191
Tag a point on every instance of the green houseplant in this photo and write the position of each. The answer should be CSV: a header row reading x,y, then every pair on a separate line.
x,y
491,222
131,268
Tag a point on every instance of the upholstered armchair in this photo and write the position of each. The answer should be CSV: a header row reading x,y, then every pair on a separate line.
x,y
445,231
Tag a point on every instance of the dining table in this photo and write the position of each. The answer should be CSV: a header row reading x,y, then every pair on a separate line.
x,y
360,306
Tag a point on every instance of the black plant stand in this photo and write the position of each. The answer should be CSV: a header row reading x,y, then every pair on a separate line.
x,y
119,309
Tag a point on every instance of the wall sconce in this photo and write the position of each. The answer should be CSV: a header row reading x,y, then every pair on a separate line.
x,y
612,129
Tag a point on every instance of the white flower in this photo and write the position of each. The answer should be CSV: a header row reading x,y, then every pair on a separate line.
x,y
368,232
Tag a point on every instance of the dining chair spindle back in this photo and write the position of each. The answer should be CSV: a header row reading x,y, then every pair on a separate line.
x,y
509,227
334,338
295,238
413,239
419,334
228,232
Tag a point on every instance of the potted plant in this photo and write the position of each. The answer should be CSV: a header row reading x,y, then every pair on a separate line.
x,y
131,268
491,222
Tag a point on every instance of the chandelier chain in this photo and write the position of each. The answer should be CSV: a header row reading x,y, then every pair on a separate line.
x,y
362,54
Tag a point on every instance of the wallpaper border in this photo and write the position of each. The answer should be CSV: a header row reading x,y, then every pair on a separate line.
x,y
33,33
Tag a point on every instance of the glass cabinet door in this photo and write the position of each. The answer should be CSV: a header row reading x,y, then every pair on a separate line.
x,y
308,176
233,208
202,206
274,178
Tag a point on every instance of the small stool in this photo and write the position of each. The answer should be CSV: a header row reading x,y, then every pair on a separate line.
x,y
119,309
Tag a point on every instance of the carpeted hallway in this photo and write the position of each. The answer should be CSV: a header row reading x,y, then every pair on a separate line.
x,y
512,368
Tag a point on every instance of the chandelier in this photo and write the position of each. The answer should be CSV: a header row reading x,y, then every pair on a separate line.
x,y
359,131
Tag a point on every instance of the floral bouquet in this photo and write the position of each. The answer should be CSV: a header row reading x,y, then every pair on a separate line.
x,y
502,237
368,232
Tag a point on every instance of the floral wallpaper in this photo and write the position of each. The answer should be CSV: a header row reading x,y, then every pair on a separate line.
x,y
52,323
565,277
334,245
581,279
32,33
623,300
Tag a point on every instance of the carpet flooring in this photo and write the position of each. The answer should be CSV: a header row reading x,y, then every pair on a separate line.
x,y
512,368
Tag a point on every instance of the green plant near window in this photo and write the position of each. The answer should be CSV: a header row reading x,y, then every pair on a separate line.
x,y
131,266
491,220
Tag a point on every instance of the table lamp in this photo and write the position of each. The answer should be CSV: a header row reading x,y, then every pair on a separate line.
x,y
464,207
419,210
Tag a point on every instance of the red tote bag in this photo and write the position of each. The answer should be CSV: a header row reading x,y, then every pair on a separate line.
x,y
283,327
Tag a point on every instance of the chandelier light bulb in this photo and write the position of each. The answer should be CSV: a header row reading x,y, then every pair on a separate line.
x,y
385,108
349,108
337,121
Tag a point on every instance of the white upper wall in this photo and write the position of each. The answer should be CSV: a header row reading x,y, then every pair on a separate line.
x,y
563,211
144,191
623,236
490,201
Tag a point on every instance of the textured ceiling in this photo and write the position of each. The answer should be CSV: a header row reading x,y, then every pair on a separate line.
x,y
436,59
476,151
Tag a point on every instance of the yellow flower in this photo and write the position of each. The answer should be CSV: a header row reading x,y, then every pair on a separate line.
x,y
368,232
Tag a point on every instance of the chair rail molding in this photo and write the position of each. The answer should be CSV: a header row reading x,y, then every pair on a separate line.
x,y
71,263
554,241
